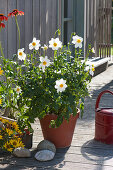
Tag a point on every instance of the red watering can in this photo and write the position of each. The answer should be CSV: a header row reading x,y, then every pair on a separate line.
x,y
103,122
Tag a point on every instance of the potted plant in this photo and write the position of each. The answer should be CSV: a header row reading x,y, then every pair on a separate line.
x,y
49,88
53,88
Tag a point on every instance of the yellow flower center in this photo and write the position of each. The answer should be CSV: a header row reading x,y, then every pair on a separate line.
x,y
78,41
55,44
92,65
45,48
93,69
1,71
0,101
8,146
61,85
44,63
14,143
20,53
1,137
18,89
34,44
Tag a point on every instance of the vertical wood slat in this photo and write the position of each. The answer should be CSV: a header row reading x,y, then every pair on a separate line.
x,y
101,32
48,22
84,28
107,13
43,21
21,21
89,28
36,19
12,30
97,28
92,21
59,15
48,25
28,23
105,31
54,18
3,33
109,20
110,26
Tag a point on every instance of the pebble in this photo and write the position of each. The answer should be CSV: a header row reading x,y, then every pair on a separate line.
x,y
46,145
22,152
44,155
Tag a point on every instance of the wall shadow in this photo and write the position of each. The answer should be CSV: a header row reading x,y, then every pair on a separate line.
x,y
97,152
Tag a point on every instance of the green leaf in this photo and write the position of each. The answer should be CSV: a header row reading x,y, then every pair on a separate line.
x,y
11,91
1,89
82,109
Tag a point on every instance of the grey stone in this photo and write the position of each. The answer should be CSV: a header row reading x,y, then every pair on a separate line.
x,y
46,145
44,155
22,152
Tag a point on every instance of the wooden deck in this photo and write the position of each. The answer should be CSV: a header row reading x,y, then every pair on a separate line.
x,y
85,152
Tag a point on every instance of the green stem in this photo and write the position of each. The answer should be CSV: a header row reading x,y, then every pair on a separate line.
x,y
32,58
72,34
18,29
75,54
44,53
1,50
56,32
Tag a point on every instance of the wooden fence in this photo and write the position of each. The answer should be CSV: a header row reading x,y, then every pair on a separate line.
x,y
40,21
97,26
104,23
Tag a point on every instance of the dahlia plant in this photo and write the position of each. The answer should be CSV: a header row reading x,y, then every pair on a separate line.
x,y
56,84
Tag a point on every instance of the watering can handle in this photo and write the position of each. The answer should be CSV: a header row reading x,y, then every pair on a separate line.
x,y
100,95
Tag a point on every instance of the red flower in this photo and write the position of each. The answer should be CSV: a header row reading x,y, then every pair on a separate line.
x,y
15,13
3,17
27,132
2,25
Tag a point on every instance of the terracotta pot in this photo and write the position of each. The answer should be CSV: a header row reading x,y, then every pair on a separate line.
x,y
61,136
